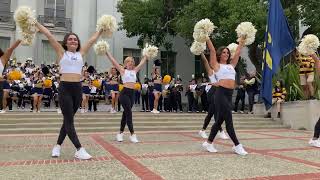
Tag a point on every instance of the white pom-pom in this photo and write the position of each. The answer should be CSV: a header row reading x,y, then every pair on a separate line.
x,y
101,47
200,36
204,25
232,47
27,39
197,47
25,18
150,51
309,45
248,31
107,24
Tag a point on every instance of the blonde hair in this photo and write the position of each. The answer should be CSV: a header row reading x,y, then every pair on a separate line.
x,y
127,59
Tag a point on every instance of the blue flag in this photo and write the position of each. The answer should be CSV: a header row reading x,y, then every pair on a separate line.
x,y
278,43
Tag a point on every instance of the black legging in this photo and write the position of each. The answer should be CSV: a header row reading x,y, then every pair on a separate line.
x,y
70,97
1,92
317,130
211,108
223,107
126,99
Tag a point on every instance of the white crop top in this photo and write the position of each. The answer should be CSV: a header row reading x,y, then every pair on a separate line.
x,y
213,78
1,68
129,76
226,71
71,63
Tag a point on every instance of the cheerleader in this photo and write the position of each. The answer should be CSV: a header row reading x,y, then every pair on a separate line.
x,y
85,82
114,80
4,58
37,91
315,140
70,58
157,80
129,78
211,92
225,73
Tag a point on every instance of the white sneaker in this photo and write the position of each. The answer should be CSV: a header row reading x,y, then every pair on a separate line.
x,y
155,111
56,151
82,154
59,111
119,137
38,111
239,150
3,111
133,138
222,135
203,134
314,143
112,111
209,147
241,112
81,110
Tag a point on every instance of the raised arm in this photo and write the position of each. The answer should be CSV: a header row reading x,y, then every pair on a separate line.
x,y
235,59
85,48
53,42
7,54
213,56
115,63
142,62
206,64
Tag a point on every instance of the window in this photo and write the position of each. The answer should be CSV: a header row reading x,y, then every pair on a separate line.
x,y
168,63
49,56
55,8
4,43
135,53
199,67
4,6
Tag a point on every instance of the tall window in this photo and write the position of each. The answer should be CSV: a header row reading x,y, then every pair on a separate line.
x,y
4,43
199,67
49,56
4,6
135,53
55,8
168,63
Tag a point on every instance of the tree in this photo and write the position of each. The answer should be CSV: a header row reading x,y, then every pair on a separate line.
x,y
149,19
310,14
226,15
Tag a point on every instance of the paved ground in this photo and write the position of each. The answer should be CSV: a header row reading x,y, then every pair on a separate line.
x,y
274,154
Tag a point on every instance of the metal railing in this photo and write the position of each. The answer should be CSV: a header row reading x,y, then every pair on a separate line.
x,y
56,22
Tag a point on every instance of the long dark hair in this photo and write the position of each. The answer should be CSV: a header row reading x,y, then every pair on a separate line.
x,y
65,39
1,52
219,52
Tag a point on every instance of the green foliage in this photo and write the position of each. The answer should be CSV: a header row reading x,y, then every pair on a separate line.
x,y
290,76
310,14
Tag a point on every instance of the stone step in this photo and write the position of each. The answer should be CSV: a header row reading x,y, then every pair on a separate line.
x,y
12,120
116,123
116,129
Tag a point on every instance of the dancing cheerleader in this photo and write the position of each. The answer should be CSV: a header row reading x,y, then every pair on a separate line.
x,y
315,140
85,82
37,91
114,80
70,58
129,78
157,80
210,94
225,73
4,58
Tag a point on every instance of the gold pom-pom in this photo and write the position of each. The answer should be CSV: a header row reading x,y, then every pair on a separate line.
x,y
15,75
120,87
137,86
166,79
47,83
96,83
